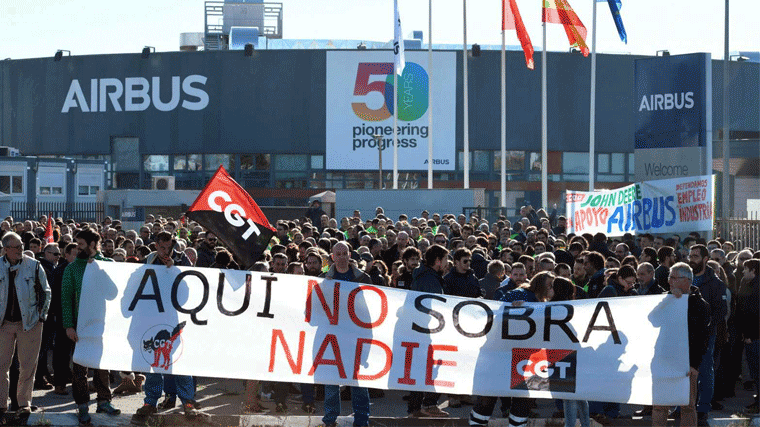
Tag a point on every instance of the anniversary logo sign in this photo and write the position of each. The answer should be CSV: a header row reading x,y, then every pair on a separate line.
x,y
274,327
662,206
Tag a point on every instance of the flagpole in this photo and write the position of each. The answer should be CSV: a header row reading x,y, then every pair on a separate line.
x,y
430,94
503,111
395,129
592,115
466,128
544,154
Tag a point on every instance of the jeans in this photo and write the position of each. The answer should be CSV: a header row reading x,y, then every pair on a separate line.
x,y
579,409
706,378
154,384
359,403
307,393
752,350
418,399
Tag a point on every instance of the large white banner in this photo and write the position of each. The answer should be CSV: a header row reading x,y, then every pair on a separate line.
x,y
678,205
238,324
359,110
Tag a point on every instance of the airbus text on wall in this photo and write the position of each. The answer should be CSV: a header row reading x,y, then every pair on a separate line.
x,y
359,110
672,116
138,94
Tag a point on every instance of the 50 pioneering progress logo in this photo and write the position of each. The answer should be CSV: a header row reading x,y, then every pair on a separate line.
x,y
359,110
413,102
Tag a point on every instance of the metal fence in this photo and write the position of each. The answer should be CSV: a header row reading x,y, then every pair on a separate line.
x,y
744,232
80,212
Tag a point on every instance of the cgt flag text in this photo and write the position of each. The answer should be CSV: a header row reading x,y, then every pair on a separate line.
x,y
227,210
272,327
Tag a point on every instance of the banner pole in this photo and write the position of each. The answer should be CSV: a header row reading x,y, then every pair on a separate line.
x,y
395,130
503,116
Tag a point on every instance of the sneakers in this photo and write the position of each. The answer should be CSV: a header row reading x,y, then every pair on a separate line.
x,y
169,402
195,415
143,415
281,408
22,415
308,408
83,415
106,407
139,380
42,384
434,411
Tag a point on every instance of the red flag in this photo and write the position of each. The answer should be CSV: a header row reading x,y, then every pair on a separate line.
x,y
227,210
49,230
560,12
511,20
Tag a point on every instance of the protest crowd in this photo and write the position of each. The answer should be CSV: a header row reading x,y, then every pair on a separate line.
x,y
522,260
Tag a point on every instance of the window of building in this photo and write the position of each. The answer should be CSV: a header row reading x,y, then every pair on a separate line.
x,y
213,161
318,162
515,160
291,162
156,163
11,184
575,163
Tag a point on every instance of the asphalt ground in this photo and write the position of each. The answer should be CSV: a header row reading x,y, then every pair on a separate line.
x,y
222,398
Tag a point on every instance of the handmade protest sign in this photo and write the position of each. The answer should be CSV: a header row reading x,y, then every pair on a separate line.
x,y
273,327
664,206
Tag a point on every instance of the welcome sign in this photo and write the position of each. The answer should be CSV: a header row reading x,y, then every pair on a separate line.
x,y
663,206
274,327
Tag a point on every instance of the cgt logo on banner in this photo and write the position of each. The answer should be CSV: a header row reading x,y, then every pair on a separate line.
x,y
542,369
354,136
203,321
662,206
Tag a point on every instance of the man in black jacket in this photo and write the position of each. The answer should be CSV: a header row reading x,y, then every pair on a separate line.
x,y
714,292
428,278
647,283
698,317
461,280
594,264
747,315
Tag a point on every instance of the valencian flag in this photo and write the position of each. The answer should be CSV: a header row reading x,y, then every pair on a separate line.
x,y
615,6
49,229
227,210
560,12
511,20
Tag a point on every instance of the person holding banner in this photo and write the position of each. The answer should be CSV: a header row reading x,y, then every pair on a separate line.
x,y
698,314
155,383
88,245
343,271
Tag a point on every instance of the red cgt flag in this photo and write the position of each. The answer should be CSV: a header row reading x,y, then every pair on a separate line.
x,y
560,12
49,230
511,20
227,210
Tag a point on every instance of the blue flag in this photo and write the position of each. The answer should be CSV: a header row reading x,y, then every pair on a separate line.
x,y
615,6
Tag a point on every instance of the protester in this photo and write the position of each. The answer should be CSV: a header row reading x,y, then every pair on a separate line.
x,y
24,303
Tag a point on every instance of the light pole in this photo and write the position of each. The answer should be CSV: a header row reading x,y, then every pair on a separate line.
x,y
378,139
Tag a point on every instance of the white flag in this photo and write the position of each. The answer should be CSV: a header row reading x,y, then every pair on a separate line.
x,y
398,41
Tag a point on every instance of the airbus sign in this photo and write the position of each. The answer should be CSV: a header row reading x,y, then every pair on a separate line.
x,y
136,94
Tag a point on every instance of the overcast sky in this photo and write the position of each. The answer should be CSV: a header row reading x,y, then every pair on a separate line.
x,y
36,28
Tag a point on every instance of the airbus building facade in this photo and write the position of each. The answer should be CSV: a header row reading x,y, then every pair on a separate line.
x,y
289,123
